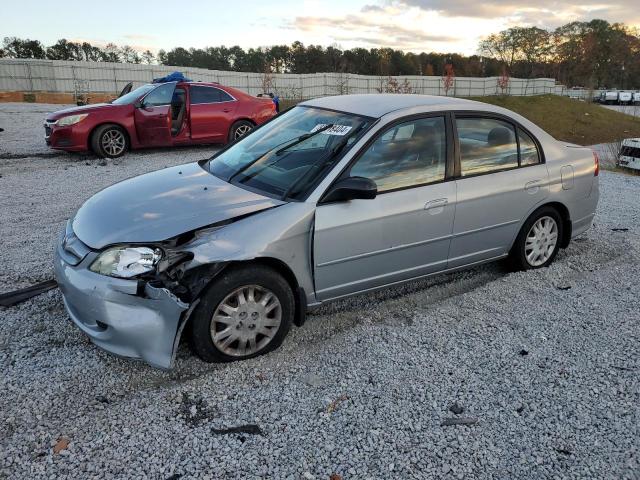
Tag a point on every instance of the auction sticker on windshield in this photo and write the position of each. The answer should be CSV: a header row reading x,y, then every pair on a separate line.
x,y
339,130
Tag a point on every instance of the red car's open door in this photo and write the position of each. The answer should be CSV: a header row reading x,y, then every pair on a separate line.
x,y
153,116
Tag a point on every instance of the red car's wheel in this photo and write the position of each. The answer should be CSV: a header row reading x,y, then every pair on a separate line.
x,y
239,129
109,141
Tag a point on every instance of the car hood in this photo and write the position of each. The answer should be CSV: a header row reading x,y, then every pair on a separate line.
x,y
83,109
161,205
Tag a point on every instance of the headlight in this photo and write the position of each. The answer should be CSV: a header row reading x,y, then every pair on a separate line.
x,y
126,262
71,120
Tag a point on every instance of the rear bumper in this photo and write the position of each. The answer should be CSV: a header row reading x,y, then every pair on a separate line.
x,y
586,210
115,316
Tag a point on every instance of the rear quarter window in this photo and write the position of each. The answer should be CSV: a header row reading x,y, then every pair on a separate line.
x,y
529,154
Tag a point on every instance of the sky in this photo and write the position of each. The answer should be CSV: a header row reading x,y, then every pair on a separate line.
x,y
453,26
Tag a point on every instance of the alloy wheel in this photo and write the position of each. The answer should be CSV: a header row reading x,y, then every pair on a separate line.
x,y
246,321
113,142
241,131
541,241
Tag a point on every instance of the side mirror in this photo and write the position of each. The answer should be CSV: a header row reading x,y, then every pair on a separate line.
x,y
137,103
351,188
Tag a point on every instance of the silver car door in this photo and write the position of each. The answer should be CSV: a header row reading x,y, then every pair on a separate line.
x,y
405,231
500,181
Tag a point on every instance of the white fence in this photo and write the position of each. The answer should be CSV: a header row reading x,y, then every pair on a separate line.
x,y
101,77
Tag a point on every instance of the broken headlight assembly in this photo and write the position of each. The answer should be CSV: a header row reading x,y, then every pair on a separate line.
x,y
126,262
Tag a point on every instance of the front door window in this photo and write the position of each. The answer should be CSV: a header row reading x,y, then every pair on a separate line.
x,y
407,155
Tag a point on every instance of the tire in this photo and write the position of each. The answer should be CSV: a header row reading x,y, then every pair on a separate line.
x,y
531,242
236,328
109,141
239,130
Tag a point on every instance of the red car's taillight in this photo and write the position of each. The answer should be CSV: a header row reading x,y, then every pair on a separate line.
x,y
596,161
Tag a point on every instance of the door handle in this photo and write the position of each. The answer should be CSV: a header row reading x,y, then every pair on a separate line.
x,y
226,110
533,186
436,206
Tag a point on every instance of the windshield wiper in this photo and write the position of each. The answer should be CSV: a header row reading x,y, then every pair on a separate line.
x,y
304,137
294,142
322,161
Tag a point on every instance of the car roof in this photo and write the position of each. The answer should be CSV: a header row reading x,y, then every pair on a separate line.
x,y
379,104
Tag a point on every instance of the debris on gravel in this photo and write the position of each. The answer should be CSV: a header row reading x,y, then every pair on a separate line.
x,y
398,357
459,421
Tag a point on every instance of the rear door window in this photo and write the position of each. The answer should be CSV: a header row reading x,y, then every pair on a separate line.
x,y
486,145
202,94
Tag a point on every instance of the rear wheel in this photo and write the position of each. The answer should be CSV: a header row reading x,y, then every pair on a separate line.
x,y
245,313
109,141
538,241
239,129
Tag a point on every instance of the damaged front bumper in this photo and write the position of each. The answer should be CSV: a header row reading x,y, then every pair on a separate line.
x,y
120,316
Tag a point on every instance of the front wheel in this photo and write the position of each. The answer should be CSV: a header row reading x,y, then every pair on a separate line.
x,y
239,130
245,313
109,141
538,241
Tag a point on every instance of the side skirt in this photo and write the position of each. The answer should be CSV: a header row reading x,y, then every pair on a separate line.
x,y
412,279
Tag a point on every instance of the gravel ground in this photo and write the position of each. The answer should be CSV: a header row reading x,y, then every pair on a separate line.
x,y
543,364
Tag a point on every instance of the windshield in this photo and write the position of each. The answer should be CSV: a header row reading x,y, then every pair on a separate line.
x,y
133,95
286,157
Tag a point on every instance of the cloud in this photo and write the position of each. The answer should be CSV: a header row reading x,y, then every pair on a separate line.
x,y
379,33
141,38
542,12
448,25
396,26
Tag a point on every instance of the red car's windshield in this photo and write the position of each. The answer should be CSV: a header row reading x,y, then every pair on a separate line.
x,y
132,96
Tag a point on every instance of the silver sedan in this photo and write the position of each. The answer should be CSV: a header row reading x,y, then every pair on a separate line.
x,y
335,197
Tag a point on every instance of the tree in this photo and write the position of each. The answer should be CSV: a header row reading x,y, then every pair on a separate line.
x,y
502,46
590,54
111,53
449,78
179,57
14,47
65,50
91,53
148,57
162,57
129,55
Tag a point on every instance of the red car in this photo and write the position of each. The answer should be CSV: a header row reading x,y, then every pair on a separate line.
x,y
158,115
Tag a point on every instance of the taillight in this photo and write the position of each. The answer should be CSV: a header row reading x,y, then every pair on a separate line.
x,y
596,161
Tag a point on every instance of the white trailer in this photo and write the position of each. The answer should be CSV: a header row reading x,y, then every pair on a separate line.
x,y
629,156
610,97
625,98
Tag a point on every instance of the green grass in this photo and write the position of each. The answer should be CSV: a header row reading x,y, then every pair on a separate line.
x,y
571,120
